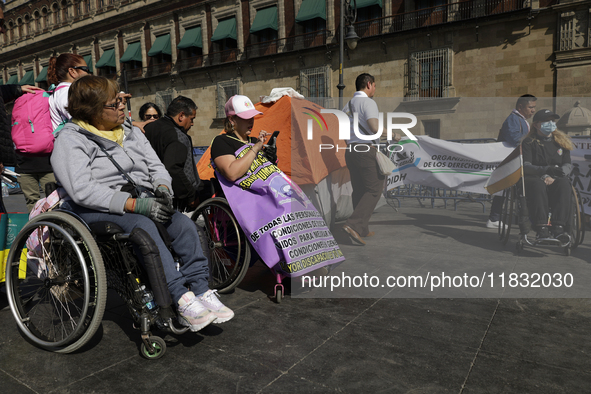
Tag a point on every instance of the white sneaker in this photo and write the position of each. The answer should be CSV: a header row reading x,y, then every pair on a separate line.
x,y
210,300
193,314
491,224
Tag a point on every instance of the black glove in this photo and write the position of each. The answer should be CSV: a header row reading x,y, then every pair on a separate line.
x,y
163,193
270,153
154,208
555,171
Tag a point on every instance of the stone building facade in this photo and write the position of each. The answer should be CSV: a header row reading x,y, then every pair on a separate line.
x,y
458,65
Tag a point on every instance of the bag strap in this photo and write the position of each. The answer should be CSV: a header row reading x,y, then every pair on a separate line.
x,y
125,174
360,126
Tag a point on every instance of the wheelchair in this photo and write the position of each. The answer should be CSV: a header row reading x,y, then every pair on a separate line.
x,y
58,272
515,207
223,243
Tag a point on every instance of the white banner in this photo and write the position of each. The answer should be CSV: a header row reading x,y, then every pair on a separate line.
x,y
449,165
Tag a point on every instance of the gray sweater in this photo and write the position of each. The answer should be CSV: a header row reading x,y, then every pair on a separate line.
x,y
91,180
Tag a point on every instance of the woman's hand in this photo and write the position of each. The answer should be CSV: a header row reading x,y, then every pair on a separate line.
x,y
29,88
548,180
258,146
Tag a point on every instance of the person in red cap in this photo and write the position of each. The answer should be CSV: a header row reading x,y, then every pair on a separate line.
x,y
546,164
238,124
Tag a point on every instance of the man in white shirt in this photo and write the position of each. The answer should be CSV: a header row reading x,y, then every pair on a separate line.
x,y
366,180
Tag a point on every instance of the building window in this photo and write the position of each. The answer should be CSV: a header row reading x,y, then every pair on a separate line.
x,y
314,82
311,17
433,12
191,49
429,73
56,14
27,27
45,14
19,23
226,90
265,25
37,18
65,10
432,128
11,30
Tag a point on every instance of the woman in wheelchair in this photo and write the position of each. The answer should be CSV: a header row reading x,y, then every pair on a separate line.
x,y
111,173
546,164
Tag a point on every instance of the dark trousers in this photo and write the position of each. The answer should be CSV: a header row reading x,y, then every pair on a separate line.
x,y
368,185
496,208
541,198
193,274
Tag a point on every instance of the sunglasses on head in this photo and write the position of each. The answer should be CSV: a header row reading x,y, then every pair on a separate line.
x,y
83,68
151,116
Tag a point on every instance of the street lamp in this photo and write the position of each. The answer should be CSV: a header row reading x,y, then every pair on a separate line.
x,y
348,14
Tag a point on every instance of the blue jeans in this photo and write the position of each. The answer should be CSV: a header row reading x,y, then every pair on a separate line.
x,y
194,272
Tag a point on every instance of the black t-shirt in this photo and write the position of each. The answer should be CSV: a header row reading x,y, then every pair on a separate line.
x,y
226,145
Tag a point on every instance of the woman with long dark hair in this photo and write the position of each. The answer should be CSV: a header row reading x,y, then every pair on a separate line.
x,y
62,71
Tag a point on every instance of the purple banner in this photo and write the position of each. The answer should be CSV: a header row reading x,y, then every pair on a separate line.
x,y
281,223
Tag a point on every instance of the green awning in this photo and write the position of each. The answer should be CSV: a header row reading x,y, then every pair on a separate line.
x,y
265,18
42,77
107,60
192,38
28,79
1,81
12,80
88,61
368,3
161,45
225,29
133,52
311,9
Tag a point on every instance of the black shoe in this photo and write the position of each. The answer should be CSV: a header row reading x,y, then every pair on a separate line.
x,y
543,232
557,230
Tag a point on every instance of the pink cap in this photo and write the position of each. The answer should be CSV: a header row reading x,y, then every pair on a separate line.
x,y
242,107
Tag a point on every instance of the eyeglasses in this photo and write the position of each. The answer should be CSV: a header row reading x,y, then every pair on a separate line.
x,y
83,68
151,116
116,105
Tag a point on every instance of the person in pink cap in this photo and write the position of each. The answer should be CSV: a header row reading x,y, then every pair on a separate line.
x,y
240,113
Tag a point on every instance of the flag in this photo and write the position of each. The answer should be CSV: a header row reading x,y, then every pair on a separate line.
x,y
507,173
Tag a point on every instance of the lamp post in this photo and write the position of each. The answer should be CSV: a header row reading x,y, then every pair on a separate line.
x,y
348,15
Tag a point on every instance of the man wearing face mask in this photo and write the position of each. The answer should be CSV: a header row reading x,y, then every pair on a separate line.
x,y
168,136
546,161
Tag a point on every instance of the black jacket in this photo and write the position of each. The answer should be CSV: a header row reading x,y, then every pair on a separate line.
x,y
8,93
174,147
541,154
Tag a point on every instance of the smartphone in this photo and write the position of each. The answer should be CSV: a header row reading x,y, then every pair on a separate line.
x,y
273,138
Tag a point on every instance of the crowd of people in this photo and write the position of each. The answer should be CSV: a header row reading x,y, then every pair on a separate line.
x,y
143,174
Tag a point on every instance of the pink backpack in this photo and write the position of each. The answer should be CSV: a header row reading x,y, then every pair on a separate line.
x,y
32,132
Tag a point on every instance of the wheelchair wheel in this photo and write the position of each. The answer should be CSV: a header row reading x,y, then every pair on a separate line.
x,y
159,348
578,222
57,290
507,214
224,244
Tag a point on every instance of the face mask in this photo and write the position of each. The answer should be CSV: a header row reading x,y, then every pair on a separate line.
x,y
547,127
